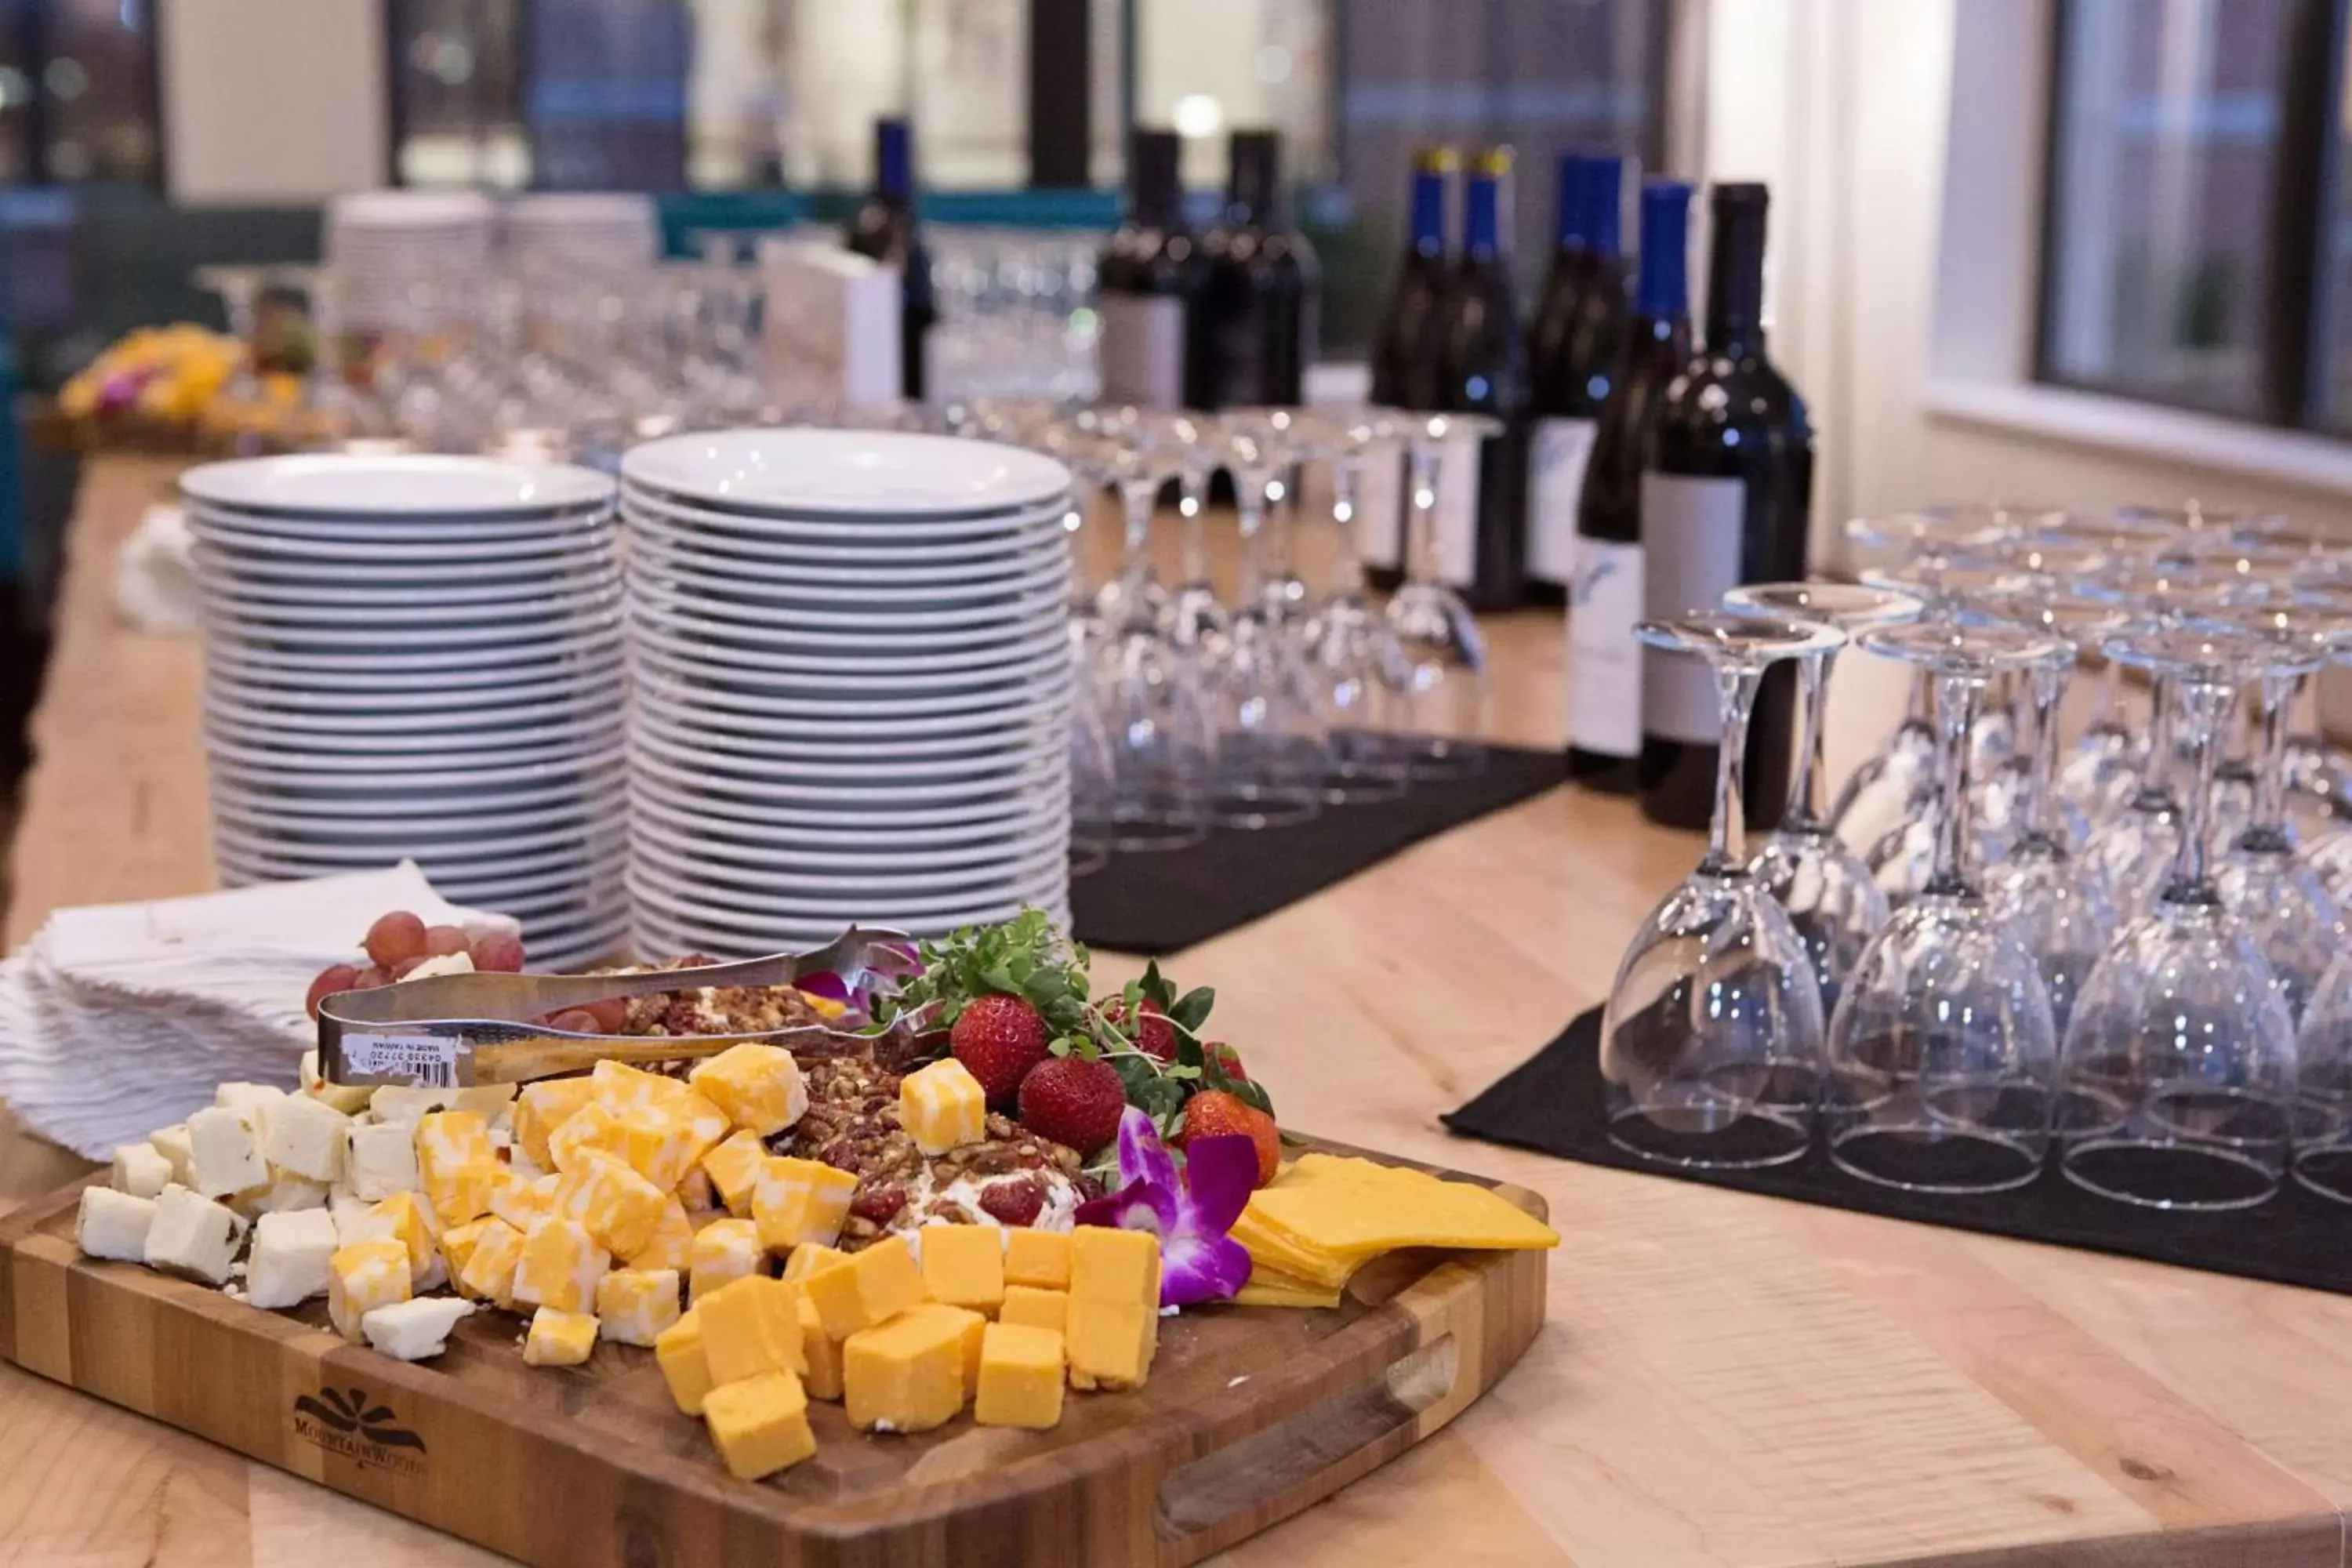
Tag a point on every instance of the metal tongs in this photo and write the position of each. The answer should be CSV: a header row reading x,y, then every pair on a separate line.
x,y
456,1031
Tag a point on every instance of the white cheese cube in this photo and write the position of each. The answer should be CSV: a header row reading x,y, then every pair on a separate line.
x,y
381,1157
350,1213
289,1265
113,1225
401,1102
303,1137
488,1101
224,1150
171,1143
520,1163
282,1195
442,963
139,1171
415,1329
192,1235
240,1096
348,1099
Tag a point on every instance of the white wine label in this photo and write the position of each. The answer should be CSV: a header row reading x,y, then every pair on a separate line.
x,y
1604,662
1690,537
1380,508
1142,350
1556,460
1457,512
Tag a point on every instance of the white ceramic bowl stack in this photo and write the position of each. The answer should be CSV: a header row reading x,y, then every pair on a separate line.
x,y
381,243
584,228
852,686
419,656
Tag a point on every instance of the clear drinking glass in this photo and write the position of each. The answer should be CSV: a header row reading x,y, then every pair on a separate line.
x,y
1711,1041
1358,664
1441,710
1271,743
2180,1068
1823,884
1194,617
1942,1055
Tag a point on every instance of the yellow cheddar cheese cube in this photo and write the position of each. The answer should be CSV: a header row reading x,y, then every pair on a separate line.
x,y
1035,1309
561,1268
458,1246
1109,1343
678,1350
671,1246
591,1130
661,1144
821,1377
542,1108
520,1202
1037,1258
808,1257
724,1251
734,1166
635,1305
1120,1265
490,1273
943,1107
456,1164
557,1338
761,1426
758,1086
870,1287
969,1326
696,1191
905,1375
406,1218
362,1276
963,1265
796,1202
1020,1378
621,1089
621,1209
749,1327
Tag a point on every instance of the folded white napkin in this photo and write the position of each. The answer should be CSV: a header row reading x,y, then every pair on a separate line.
x,y
120,1018
155,573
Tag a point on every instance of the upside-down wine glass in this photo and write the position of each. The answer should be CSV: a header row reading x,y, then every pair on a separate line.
x,y
2179,1067
1711,1040
1942,1055
1823,884
1194,616
1358,665
1441,711
1270,743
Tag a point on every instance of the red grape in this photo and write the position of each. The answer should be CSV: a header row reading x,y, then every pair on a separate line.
x,y
575,1022
442,941
371,977
499,951
610,1015
393,937
333,978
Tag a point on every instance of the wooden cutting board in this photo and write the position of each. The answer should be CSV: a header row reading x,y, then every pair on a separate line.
x,y
1251,1415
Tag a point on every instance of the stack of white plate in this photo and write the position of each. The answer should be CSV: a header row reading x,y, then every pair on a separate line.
x,y
380,243
584,228
419,656
852,686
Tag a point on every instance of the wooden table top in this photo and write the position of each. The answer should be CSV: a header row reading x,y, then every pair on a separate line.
x,y
1725,1380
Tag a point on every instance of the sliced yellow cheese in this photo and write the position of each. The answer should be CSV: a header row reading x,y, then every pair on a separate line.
x,y
1375,1209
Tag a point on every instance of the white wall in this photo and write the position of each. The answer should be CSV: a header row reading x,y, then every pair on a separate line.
x,y
272,100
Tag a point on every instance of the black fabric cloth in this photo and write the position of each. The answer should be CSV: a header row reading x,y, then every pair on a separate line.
x,y
1553,1104
1159,902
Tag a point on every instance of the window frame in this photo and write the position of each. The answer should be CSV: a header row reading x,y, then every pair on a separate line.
x,y
2292,330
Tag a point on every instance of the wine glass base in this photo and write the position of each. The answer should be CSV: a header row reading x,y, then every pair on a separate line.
x,y
2325,1171
1430,758
1712,1134
2200,1176
1932,1156
1344,786
1088,856
1260,807
1145,832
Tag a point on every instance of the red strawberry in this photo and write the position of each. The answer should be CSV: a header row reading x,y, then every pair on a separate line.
x,y
1014,1200
1225,1056
1155,1035
998,1038
1073,1101
1215,1113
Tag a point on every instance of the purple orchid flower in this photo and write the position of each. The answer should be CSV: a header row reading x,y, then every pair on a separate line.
x,y
1199,1261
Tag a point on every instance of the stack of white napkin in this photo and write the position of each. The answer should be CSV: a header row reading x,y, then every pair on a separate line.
x,y
155,573
119,1020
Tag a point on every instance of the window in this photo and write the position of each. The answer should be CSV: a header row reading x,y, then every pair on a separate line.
x,y
78,91
2186,259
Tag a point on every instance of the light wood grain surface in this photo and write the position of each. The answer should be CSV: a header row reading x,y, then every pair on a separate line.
x,y
1725,1381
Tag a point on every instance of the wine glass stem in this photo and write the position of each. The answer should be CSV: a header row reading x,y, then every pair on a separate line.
x,y
1136,498
1282,506
1345,473
2204,704
2047,684
2307,701
1249,499
1191,505
1727,833
1955,717
2275,697
1922,708
1421,516
2153,784
1813,680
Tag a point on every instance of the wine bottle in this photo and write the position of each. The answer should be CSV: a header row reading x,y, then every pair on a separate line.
x,y
1605,598
1726,496
1573,347
1402,368
884,229
1482,369
1255,336
1150,276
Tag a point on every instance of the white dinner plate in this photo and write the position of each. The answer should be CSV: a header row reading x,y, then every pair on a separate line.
x,y
867,604
276,835
258,708
1010,669
769,574
302,859
912,878
763,812
703,909
283,570
309,754
531,803
513,554
414,615
846,791
268,783
407,485
1017,755
912,830
242,647
883,559
868,473
851,742
342,590
978,645
838,722
834,855
264,680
